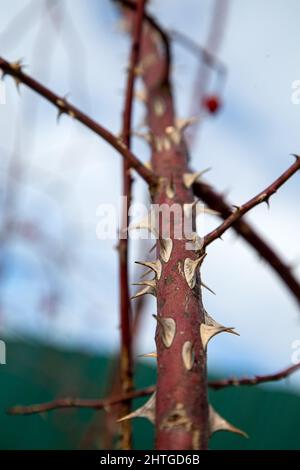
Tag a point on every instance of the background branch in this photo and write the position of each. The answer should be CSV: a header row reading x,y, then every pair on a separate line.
x,y
126,366
263,196
107,402
15,70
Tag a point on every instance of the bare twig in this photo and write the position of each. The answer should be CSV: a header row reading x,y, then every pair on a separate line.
x,y
257,379
216,201
106,403
15,70
126,366
263,196
79,403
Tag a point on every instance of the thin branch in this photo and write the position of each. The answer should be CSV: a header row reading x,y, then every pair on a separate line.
x,y
217,202
126,367
79,403
263,196
15,70
106,403
257,379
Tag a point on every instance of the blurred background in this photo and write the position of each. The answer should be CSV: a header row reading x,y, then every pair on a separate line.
x,y
59,282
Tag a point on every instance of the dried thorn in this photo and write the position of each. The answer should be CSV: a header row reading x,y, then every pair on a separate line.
x,y
295,155
211,328
217,423
155,266
146,290
208,288
145,411
190,266
18,66
149,282
148,165
151,354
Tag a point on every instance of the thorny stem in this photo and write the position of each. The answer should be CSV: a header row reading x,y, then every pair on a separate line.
x,y
217,202
181,411
107,402
15,70
126,367
263,196
181,401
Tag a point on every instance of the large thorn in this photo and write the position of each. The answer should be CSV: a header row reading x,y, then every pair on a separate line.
x,y
211,328
146,282
145,411
155,266
190,266
146,290
217,423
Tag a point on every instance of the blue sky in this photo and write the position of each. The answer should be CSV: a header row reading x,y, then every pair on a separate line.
x,y
68,172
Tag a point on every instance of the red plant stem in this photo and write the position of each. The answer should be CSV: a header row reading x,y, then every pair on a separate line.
x,y
263,196
181,405
64,107
126,367
107,402
217,202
